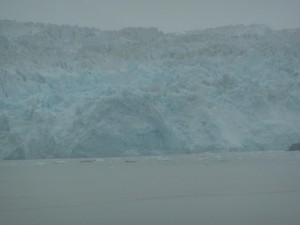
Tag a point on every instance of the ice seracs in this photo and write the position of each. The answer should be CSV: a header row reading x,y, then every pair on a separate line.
x,y
81,92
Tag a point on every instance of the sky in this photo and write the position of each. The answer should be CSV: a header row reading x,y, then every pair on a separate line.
x,y
166,15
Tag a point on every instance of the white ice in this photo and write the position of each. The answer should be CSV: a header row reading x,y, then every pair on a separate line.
x,y
81,92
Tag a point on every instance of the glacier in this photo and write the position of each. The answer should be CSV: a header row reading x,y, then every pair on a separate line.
x,y
69,91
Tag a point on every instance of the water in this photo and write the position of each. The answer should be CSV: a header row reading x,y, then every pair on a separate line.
x,y
226,188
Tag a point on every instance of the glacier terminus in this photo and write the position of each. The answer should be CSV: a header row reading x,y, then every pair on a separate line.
x,y
68,91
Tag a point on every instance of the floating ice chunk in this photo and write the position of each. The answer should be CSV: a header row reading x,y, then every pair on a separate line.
x,y
99,160
130,161
41,163
161,158
88,161
60,162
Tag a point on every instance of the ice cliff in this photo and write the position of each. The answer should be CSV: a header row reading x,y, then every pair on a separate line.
x,y
81,92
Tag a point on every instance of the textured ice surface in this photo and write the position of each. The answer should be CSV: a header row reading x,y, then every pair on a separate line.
x,y
80,92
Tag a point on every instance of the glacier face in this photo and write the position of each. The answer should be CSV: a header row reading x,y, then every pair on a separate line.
x,y
81,92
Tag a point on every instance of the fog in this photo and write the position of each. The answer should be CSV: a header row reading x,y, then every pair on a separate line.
x,y
167,15
241,188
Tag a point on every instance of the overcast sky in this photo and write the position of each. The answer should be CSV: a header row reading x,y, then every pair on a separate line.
x,y
167,15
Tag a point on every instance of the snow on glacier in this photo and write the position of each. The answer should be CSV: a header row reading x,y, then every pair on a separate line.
x,y
81,92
